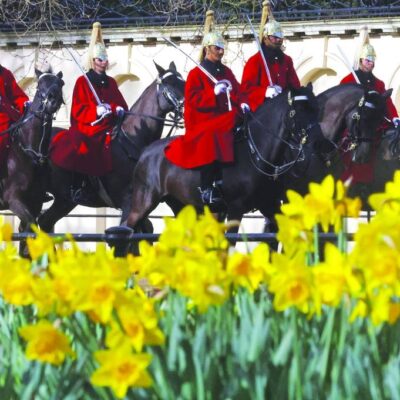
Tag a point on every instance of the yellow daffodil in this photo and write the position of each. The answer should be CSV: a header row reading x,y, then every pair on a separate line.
x,y
138,319
46,343
249,270
16,282
390,199
120,370
6,231
292,283
40,245
333,277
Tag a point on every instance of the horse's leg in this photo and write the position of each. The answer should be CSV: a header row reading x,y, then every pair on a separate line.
x,y
175,205
59,209
26,211
143,203
144,225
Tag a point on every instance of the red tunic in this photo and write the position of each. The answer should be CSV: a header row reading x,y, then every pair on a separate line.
x,y
208,122
255,80
11,108
85,148
364,173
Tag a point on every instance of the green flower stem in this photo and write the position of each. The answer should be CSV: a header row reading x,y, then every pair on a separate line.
x,y
316,244
297,364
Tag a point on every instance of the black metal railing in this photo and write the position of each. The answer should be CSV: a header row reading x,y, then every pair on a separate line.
x,y
135,21
119,238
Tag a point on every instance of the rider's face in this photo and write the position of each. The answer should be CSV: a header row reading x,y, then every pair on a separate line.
x,y
214,53
100,65
366,65
273,41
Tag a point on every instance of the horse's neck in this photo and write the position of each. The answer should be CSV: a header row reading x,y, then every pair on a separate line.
x,y
141,125
335,119
34,131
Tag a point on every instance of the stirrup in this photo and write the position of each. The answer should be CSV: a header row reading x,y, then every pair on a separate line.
x,y
211,195
47,197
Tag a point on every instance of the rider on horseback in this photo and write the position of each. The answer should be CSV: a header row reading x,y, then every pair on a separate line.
x,y
13,102
256,85
97,104
363,67
211,112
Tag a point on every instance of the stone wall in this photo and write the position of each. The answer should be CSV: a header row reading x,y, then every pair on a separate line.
x,y
311,44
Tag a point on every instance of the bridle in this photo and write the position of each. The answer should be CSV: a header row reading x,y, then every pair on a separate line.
x,y
300,136
39,156
354,136
172,99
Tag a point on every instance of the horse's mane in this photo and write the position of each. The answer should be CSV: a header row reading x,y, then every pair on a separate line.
x,y
143,96
341,88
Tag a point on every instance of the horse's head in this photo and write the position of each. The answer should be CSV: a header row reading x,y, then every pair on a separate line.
x,y
36,126
286,123
48,97
170,89
302,112
364,122
389,148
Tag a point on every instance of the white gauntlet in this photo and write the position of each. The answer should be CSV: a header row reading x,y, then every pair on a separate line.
x,y
103,109
273,91
220,87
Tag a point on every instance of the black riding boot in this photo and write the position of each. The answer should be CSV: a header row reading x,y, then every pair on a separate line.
x,y
210,187
82,191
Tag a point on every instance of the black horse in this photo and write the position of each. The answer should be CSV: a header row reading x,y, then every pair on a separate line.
x,y
349,118
386,163
22,183
142,125
280,127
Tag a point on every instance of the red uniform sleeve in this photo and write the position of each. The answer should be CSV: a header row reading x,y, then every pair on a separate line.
x,y
254,84
198,94
83,109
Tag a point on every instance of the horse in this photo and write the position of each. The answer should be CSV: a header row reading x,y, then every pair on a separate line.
x,y
22,184
142,124
386,163
349,117
280,126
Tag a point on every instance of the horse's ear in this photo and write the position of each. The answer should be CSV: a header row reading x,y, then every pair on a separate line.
x,y
309,86
387,94
172,66
38,73
160,69
60,74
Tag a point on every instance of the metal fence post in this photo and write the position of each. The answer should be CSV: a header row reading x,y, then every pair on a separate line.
x,y
117,237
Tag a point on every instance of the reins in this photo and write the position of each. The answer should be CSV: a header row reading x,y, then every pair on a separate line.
x,y
167,122
354,138
171,99
260,163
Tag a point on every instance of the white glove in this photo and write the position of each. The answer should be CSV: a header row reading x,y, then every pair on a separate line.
x,y
273,91
396,121
119,111
245,108
221,87
103,109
